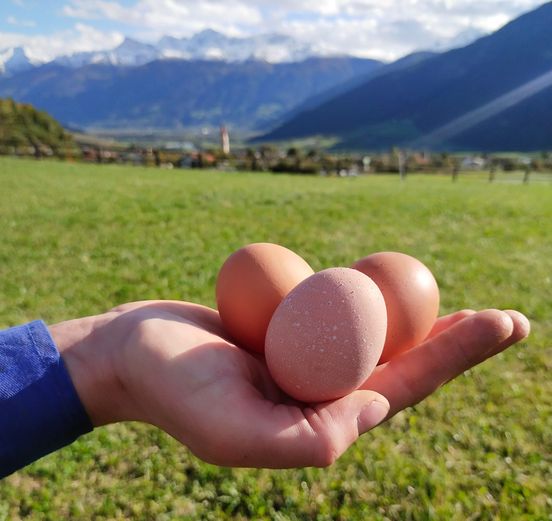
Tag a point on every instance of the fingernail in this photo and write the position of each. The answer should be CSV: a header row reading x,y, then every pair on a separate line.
x,y
373,414
524,325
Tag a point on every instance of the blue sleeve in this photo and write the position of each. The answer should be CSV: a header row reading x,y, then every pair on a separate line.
x,y
40,410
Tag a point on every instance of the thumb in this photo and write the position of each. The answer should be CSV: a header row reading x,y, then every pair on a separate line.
x,y
372,413
342,421
360,410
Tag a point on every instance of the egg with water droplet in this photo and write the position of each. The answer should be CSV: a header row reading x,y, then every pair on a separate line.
x,y
345,356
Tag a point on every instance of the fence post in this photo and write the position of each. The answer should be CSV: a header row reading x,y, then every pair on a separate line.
x,y
402,164
455,170
526,175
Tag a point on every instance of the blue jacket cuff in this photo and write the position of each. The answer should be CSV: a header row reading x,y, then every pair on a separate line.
x,y
40,410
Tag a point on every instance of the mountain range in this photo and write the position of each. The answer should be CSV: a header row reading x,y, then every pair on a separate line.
x,y
206,45
494,94
179,94
206,80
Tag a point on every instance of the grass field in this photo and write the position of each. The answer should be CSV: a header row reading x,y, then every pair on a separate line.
x,y
77,239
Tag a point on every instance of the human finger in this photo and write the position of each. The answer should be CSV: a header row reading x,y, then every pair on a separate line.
x,y
415,374
447,321
522,329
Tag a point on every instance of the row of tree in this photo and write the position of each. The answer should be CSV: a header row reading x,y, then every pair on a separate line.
x,y
26,131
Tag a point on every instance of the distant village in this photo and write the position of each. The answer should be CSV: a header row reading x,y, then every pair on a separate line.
x,y
294,160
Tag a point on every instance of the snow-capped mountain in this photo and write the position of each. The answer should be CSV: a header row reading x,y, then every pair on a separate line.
x,y
210,45
130,53
14,60
206,45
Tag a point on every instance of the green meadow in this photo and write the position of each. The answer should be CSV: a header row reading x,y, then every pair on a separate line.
x,y
78,239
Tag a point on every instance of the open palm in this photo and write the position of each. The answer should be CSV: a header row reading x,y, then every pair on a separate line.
x,y
181,373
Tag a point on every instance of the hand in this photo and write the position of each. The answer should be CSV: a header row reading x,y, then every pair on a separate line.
x,y
171,365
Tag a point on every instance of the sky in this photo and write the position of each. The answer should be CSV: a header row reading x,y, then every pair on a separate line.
x,y
380,29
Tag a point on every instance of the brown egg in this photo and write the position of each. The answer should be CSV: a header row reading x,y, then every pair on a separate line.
x,y
250,286
411,295
327,335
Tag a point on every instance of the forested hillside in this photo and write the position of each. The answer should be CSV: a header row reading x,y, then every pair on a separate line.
x,y
23,127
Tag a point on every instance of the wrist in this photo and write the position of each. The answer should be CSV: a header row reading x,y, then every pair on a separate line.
x,y
88,347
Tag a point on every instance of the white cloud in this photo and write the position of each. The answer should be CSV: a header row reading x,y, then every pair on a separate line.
x,y
384,29
156,18
95,10
388,29
80,38
12,20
